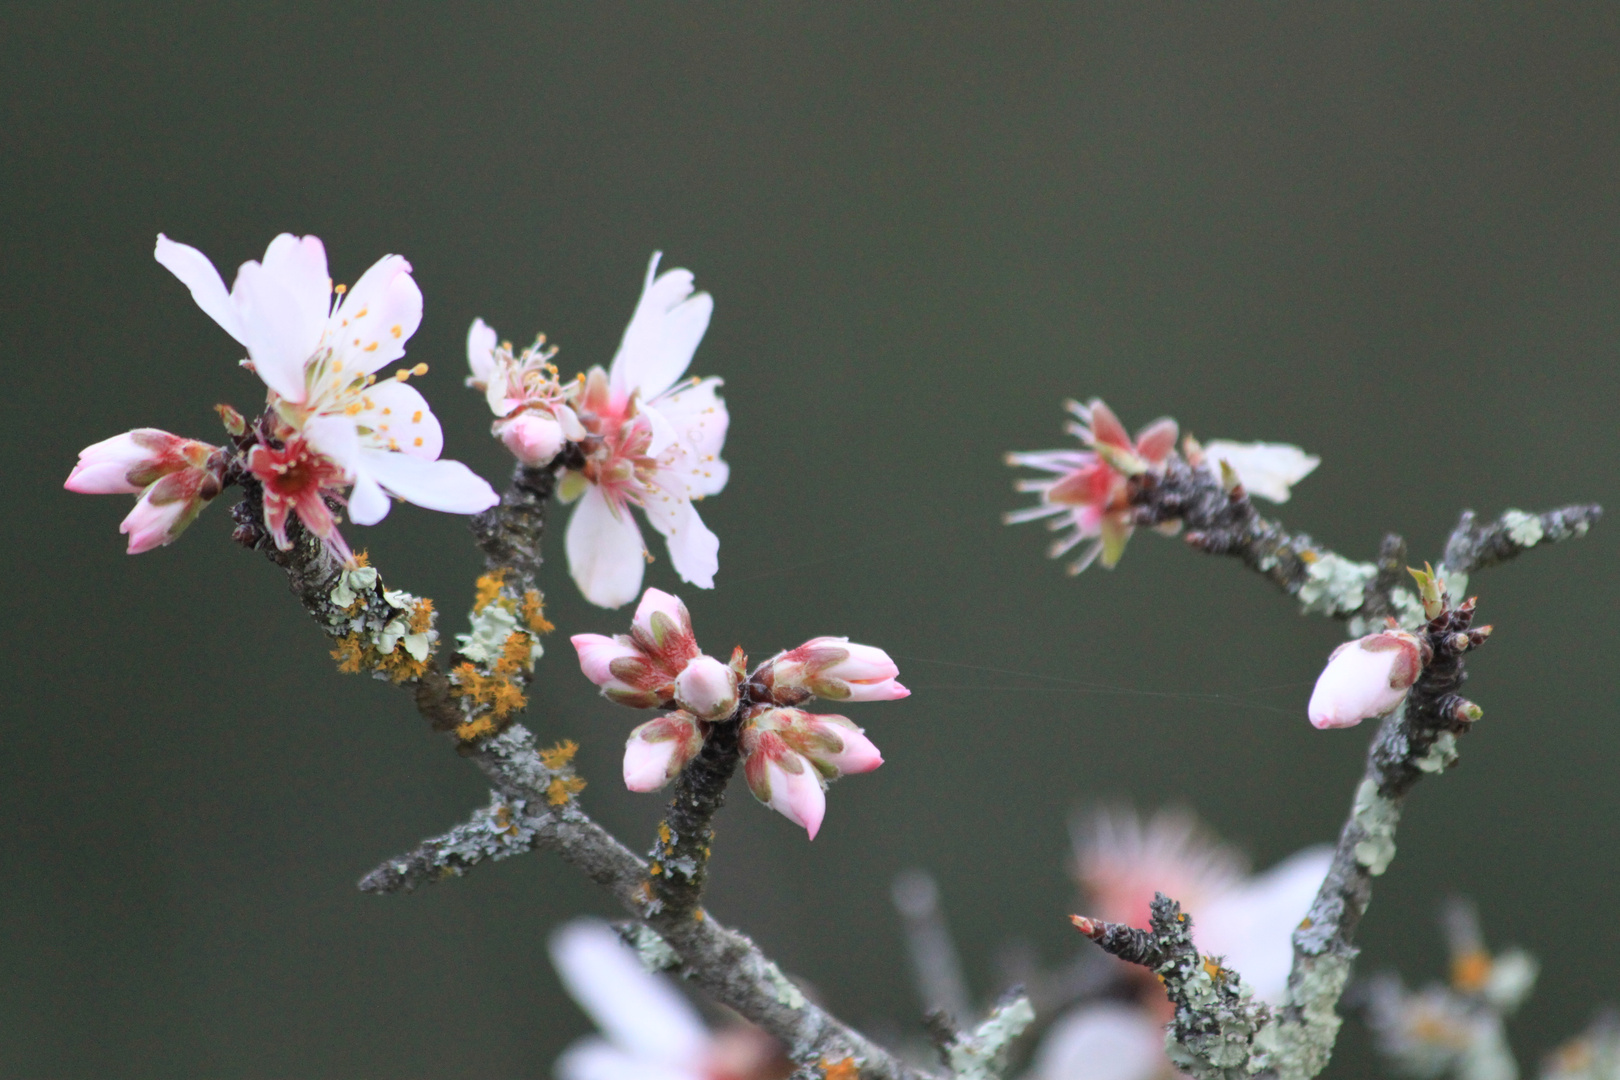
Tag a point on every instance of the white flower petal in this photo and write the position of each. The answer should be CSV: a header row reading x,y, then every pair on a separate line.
x,y
298,265
400,418
280,338
377,317
694,550
197,273
335,437
662,335
638,1011
605,553
1265,469
1102,1042
446,486
700,418
596,1059
368,502
481,350
1252,926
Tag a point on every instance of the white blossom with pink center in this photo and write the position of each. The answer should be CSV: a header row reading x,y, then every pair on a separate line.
x,y
317,349
651,439
1122,861
648,1030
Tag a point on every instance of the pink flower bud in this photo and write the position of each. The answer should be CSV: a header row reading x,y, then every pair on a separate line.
x,y
788,784
533,438
167,507
707,688
621,669
662,629
125,464
1365,678
833,667
658,750
859,754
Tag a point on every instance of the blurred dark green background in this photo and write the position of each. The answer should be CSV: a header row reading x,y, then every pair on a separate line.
x,y
1384,232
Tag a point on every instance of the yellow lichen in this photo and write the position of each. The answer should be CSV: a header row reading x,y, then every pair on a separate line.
x,y
489,589
840,1070
516,655
534,615
563,788
363,559
422,616
560,755
350,654
497,690
474,729
401,666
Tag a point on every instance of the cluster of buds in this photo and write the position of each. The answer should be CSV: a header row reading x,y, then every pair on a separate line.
x,y
532,415
1088,494
789,755
1371,676
174,477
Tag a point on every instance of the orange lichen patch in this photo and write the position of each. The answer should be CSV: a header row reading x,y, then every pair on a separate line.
x,y
516,655
474,729
496,690
840,1070
350,654
363,559
563,788
664,832
401,666
560,755
1212,968
534,615
489,589
503,821
1471,970
422,616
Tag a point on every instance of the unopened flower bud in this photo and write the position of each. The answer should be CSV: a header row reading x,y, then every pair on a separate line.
x,y
621,670
662,625
834,668
235,425
787,752
533,439
707,689
128,463
1365,678
1466,712
658,750
168,506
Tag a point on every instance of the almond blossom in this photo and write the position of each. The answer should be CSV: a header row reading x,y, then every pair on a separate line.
x,y
648,1030
1366,678
174,477
648,437
1088,493
1122,861
331,424
790,755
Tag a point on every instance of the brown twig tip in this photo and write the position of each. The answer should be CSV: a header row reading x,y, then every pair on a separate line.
x,y
1092,928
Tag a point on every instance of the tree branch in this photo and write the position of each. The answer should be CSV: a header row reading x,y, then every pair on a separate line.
x,y
1475,547
680,857
537,788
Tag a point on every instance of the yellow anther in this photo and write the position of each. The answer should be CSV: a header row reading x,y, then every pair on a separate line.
x,y
362,312
416,417
418,441
337,366
388,412
372,347
352,410
401,375
340,289
393,444
419,370
395,330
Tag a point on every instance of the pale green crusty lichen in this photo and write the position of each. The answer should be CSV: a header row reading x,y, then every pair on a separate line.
x,y
1441,755
782,988
1334,585
1377,817
1298,1049
1523,529
652,950
352,583
491,626
1224,1052
983,1054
